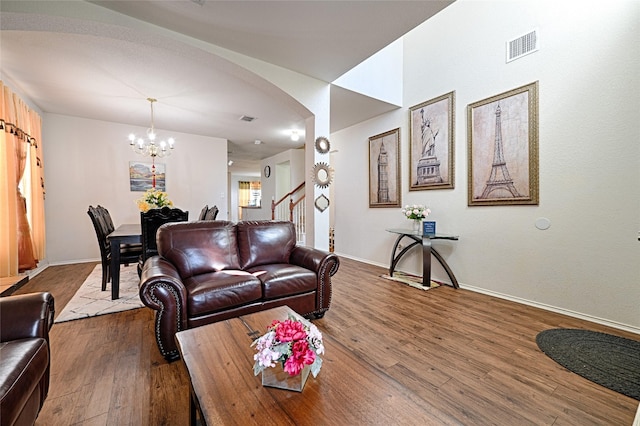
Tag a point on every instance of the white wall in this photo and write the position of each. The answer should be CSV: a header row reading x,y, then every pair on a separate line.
x,y
588,67
87,163
296,166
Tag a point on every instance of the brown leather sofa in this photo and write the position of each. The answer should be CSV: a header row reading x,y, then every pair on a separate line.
x,y
209,271
25,321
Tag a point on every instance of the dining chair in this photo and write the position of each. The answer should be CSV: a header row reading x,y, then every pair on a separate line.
x,y
203,212
212,213
109,227
150,221
128,254
106,217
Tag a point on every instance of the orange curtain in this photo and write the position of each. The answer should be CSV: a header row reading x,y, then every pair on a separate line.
x,y
26,259
8,205
19,251
37,187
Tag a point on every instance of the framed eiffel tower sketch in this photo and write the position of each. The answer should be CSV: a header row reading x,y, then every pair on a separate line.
x,y
503,148
384,169
431,125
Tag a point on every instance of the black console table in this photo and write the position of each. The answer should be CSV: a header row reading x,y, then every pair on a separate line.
x,y
427,251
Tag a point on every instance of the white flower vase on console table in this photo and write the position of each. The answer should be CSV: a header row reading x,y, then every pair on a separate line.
x,y
417,213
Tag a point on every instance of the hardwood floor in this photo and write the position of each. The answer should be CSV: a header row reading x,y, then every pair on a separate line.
x,y
467,356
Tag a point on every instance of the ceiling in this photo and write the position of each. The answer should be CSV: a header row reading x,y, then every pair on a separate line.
x,y
102,59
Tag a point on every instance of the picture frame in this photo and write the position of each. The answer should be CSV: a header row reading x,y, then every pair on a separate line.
x,y
384,169
141,176
431,144
502,136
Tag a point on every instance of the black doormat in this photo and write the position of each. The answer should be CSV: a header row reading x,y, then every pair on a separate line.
x,y
610,361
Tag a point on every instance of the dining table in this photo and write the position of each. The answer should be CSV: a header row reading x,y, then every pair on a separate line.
x,y
127,233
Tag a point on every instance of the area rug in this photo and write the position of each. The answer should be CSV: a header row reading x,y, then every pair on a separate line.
x,y
410,280
91,301
610,361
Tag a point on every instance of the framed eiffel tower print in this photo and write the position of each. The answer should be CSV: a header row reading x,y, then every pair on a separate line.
x,y
503,148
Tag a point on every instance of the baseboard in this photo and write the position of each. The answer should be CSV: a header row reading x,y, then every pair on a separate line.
x,y
73,262
369,262
42,265
597,320
567,312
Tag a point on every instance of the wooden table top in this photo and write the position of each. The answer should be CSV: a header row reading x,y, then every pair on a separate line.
x,y
127,230
219,360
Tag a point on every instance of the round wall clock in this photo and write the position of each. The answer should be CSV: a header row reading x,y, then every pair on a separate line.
x,y
267,171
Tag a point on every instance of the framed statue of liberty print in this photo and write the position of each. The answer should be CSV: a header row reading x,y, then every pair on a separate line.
x,y
431,144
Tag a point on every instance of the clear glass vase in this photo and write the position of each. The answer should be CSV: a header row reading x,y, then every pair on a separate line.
x,y
417,226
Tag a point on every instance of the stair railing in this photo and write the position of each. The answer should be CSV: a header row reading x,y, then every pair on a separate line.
x,y
293,212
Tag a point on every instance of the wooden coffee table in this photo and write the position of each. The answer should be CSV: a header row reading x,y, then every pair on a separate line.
x,y
219,360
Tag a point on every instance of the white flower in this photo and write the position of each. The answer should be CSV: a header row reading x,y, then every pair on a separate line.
x,y
266,357
416,211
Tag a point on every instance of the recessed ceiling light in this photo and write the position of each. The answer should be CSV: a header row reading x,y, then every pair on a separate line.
x,y
257,142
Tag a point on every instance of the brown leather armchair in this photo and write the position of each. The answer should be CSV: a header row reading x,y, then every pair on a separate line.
x,y
209,271
25,321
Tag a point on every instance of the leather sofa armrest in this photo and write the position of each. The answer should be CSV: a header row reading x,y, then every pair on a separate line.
x,y
325,265
162,290
26,315
315,259
157,270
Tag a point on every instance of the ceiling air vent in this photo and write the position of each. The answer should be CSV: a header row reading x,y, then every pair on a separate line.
x,y
522,46
247,118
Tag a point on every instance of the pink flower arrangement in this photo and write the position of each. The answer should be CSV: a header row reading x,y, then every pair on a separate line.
x,y
294,343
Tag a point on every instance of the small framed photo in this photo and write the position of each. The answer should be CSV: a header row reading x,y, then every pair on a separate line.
x,y
141,176
503,148
384,169
428,227
431,145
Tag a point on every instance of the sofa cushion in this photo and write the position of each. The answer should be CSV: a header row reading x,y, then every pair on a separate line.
x,y
24,362
281,280
215,291
265,242
199,247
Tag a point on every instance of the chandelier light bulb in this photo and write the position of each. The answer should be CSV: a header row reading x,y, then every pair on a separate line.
x,y
295,136
148,147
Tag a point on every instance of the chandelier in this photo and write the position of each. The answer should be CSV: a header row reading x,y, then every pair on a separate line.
x,y
148,147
